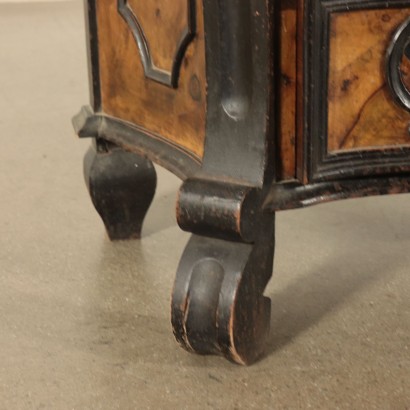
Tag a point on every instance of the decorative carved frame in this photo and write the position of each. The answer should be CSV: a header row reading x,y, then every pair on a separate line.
x,y
169,79
322,165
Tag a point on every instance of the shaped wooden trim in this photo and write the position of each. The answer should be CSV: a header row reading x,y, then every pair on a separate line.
x,y
130,137
240,90
292,195
167,78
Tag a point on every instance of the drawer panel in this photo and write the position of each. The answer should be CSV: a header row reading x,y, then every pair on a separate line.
x,y
152,72
353,122
362,112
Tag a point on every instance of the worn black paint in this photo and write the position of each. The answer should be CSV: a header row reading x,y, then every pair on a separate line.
x,y
218,304
121,185
240,107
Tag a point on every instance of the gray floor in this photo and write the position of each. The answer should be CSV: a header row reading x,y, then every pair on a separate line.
x,y
85,322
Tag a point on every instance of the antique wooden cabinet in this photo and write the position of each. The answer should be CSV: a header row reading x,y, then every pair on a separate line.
x,y
259,106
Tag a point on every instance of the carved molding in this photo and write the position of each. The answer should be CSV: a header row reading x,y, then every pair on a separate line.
x,y
168,78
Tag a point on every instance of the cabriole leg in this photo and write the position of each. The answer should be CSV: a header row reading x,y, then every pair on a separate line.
x,y
121,185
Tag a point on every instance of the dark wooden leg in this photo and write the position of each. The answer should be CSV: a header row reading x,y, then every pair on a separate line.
x,y
121,185
218,305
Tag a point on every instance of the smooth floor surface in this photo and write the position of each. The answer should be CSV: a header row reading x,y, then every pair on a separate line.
x,y
85,323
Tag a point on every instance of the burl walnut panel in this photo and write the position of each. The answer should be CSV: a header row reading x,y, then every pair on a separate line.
x,y
163,23
362,113
175,114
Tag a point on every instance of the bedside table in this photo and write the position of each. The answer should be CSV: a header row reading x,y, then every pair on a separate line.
x,y
258,106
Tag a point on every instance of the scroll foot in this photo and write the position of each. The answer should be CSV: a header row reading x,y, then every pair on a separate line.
x,y
218,306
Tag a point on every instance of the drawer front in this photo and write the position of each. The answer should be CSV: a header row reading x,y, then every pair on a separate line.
x,y
356,123
151,62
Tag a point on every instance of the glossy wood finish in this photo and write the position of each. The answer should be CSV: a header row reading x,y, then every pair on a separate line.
x,y
346,94
177,115
288,88
362,112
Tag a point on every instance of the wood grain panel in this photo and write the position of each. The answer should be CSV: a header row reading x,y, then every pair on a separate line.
x,y
362,113
288,81
163,23
380,123
177,115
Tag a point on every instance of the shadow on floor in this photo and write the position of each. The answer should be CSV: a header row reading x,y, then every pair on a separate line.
x,y
306,301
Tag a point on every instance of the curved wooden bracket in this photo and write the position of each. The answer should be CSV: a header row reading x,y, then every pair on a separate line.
x,y
219,209
169,79
218,306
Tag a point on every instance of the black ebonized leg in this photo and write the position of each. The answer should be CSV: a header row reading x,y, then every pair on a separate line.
x,y
121,185
218,305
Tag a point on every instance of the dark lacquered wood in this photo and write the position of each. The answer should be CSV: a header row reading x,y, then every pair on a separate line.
x,y
218,305
121,185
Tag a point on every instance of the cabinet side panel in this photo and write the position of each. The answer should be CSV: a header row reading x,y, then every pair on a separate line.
x,y
175,114
288,81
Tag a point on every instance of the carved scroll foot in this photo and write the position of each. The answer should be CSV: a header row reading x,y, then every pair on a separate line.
x,y
218,305
121,185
